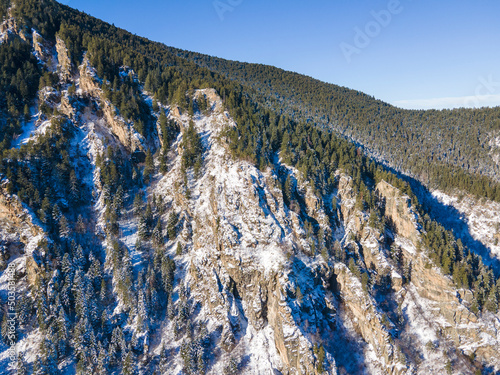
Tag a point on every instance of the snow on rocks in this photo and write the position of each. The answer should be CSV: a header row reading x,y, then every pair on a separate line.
x,y
482,217
242,236
233,193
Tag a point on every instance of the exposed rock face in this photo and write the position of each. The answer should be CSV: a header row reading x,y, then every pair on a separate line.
x,y
398,208
176,112
18,233
253,277
13,215
347,196
255,299
66,107
38,45
64,60
431,300
368,320
434,289
123,131
8,24
459,323
483,220
89,80
8,28
237,266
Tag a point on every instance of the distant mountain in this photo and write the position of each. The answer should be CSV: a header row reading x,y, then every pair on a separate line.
x,y
163,212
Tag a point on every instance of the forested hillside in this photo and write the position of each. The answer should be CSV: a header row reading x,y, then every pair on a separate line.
x,y
161,217
446,149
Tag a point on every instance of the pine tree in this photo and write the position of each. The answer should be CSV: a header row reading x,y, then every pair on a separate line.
x,y
163,164
288,190
475,306
66,294
138,204
23,310
103,292
191,108
21,368
64,230
158,235
67,264
155,106
149,167
155,303
118,200
49,356
39,367
128,364
178,251
373,219
45,211
80,225
231,368
197,167
42,307
353,267
172,226
72,90
79,258
62,332
492,301
160,207
142,307
148,215
143,228
163,359
202,103
321,359
200,363
111,217
102,362
74,187
170,307
164,130
56,216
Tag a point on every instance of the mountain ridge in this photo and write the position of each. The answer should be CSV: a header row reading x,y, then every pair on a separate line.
x,y
232,69
226,238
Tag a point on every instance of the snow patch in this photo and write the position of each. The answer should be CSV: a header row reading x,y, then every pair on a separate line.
x,y
482,217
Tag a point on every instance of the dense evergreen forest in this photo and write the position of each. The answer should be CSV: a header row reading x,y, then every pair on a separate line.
x,y
279,116
445,149
261,133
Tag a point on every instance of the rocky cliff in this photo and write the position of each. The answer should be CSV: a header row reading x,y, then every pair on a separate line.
x,y
89,85
299,285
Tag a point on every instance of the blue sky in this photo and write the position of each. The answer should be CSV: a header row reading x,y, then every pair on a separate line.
x,y
412,53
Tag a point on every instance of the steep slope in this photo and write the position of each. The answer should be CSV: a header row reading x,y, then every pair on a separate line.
x,y
438,145
481,216
144,239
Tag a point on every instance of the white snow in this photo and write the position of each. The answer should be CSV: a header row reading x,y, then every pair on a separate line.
x,y
494,144
248,227
31,130
482,217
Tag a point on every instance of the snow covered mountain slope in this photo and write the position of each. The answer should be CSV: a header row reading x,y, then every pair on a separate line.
x,y
482,217
144,243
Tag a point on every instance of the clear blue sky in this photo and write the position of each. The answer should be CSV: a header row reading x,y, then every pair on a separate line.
x,y
442,53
